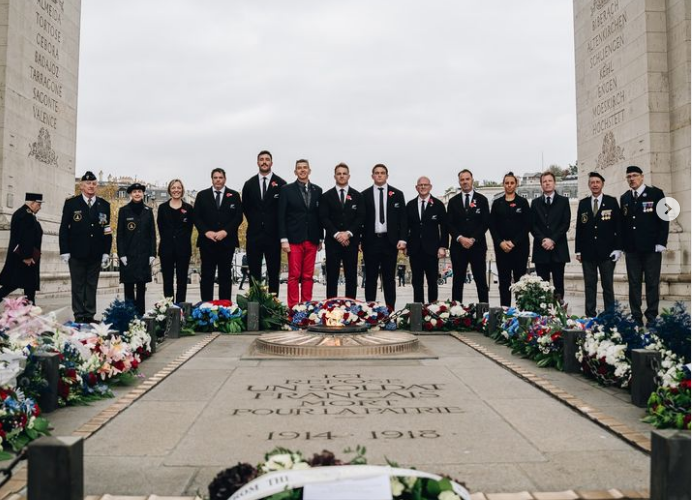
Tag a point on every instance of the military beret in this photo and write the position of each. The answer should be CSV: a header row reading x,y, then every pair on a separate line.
x,y
136,185
633,169
596,174
89,176
34,197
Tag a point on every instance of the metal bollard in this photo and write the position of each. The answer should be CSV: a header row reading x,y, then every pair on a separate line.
x,y
670,465
56,468
481,308
494,320
151,330
173,322
643,383
50,367
253,319
416,316
571,340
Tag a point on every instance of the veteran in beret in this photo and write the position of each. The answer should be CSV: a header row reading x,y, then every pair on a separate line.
x,y
86,239
598,243
644,239
136,244
24,253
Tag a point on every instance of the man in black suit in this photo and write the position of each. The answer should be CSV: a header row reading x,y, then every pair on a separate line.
x,y
468,219
300,232
86,239
342,212
427,239
384,234
261,209
24,253
550,216
597,243
644,239
218,214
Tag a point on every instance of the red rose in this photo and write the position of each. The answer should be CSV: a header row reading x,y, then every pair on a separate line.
x,y
555,336
63,389
92,379
685,384
135,364
71,373
427,326
222,303
467,322
119,365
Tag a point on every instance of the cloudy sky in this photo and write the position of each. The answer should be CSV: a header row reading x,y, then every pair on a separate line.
x,y
174,88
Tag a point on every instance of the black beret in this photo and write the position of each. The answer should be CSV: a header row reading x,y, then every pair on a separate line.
x,y
89,176
633,169
34,197
134,186
596,174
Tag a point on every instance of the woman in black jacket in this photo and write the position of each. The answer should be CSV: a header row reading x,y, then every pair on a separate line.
x,y
175,232
136,245
510,224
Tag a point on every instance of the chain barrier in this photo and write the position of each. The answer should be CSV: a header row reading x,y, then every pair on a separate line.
x,y
6,472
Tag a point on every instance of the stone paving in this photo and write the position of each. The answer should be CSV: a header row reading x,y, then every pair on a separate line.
x,y
204,407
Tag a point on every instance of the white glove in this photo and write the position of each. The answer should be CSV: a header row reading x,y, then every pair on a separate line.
x,y
151,260
123,260
65,257
615,255
105,259
660,248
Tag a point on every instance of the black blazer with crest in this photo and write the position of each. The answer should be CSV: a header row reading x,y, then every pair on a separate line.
x,y
210,218
597,236
429,234
262,214
397,224
336,218
299,222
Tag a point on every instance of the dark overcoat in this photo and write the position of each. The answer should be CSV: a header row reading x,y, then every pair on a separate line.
x,y
137,241
25,242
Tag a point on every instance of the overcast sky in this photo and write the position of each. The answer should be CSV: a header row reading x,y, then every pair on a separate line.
x,y
174,88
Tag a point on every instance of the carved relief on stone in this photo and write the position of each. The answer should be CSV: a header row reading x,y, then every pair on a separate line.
x,y
42,150
611,153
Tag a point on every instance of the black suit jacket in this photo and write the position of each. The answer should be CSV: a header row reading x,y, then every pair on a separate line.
x,y
336,218
550,222
428,235
262,215
597,236
511,221
397,225
299,222
86,233
25,243
210,218
642,229
175,229
471,223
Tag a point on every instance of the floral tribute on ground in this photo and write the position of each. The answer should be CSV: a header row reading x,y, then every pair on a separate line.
x,y
297,472
91,359
216,316
444,316
341,312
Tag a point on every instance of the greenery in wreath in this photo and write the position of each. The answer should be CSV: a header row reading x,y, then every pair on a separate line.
x,y
272,312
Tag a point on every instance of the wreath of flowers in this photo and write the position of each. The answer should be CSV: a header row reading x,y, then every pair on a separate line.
x,y
247,481
450,315
20,421
216,316
160,313
339,311
535,295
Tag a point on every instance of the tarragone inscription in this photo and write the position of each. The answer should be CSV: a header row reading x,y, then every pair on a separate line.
x,y
346,394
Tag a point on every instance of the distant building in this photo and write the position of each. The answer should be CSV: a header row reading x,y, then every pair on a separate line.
x,y
154,195
530,186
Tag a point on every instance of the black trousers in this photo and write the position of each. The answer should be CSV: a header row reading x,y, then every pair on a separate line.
x,y
175,263
649,265
423,264
510,267
270,250
381,258
591,271
84,280
402,279
29,292
136,293
557,270
461,258
214,258
336,255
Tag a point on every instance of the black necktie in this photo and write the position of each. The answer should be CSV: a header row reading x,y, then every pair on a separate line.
x,y
466,202
342,197
218,199
635,195
381,205
547,200
422,209
264,187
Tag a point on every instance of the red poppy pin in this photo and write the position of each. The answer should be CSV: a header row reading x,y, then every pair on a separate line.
x,y
430,201
348,197
473,204
183,211
512,205
391,193
273,184
228,195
